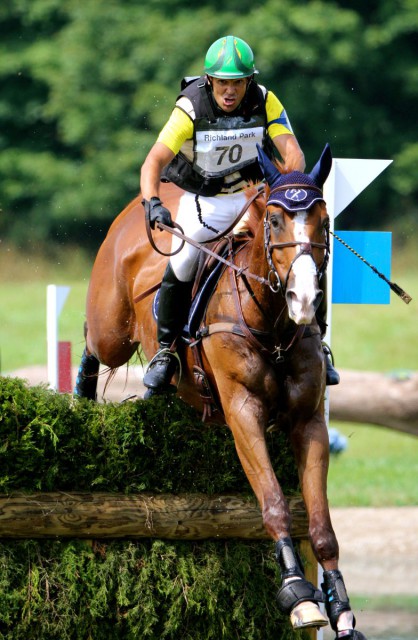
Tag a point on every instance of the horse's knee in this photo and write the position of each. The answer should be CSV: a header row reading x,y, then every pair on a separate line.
x,y
324,542
276,519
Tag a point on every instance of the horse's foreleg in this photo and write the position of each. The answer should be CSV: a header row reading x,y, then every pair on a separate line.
x,y
311,446
247,416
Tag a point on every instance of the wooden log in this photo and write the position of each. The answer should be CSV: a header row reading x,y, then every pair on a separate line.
x,y
104,515
378,399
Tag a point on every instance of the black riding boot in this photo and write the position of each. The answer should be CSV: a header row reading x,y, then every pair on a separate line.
x,y
333,377
173,307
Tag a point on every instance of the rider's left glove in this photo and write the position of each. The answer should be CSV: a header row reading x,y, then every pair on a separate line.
x,y
155,211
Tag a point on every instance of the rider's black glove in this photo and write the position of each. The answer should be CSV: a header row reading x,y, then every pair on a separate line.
x,y
157,213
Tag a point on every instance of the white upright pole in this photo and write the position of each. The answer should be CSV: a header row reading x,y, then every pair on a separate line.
x,y
52,335
55,299
347,178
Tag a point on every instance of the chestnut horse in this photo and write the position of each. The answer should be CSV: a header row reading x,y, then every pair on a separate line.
x,y
261,348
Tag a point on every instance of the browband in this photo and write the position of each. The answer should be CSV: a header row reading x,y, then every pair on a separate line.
x,y
306,187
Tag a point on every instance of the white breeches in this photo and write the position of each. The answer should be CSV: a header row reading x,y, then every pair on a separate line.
x,y
218,212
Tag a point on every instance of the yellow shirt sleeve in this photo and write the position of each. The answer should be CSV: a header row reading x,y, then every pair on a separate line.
x,y
179,126
176,131
277,120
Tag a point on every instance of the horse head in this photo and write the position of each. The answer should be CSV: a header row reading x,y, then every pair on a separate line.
x,y
296,228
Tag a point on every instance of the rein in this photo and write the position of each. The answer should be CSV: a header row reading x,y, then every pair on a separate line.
x,y
198,245
179,233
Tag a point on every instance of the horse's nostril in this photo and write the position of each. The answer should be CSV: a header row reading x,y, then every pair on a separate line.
x,y
290,296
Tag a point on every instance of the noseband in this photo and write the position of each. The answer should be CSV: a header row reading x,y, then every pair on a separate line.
x,y
274,280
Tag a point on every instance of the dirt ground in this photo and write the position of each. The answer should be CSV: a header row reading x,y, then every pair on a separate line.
x,y
378,546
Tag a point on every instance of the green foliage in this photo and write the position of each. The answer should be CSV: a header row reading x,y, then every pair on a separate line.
x,y
154,589
49,442
68,591
87,86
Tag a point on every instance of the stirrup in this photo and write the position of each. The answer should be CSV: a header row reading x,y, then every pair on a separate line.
x,y
168,362
169,389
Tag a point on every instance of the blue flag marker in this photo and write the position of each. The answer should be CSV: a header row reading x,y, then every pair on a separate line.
x,y
353,282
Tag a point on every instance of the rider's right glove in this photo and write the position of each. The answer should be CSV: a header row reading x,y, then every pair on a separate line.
x,y
155,211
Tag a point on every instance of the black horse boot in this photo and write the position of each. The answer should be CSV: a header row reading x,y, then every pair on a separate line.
x,y
87,377
296,589
333,377
173,308
336,602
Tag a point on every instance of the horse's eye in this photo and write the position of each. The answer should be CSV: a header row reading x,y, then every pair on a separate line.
x,y
275,221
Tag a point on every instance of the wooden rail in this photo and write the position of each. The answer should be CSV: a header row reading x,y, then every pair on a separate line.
x,y
375,398
106,515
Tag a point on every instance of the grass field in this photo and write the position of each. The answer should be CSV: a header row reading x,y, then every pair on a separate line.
x,y
379,468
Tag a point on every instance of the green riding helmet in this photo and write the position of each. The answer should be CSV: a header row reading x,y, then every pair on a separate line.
x,y
230,58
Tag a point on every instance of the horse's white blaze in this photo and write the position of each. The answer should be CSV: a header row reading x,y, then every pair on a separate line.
x,y
303,294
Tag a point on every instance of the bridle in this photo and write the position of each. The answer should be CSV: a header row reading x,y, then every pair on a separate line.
x,y
274,281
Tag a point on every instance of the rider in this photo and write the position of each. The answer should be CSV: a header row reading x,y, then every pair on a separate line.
x,y
208,148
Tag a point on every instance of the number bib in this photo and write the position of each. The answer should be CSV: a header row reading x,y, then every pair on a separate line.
x,y
226,145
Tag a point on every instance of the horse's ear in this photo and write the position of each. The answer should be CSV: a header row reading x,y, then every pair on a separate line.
x,y
321,170
270,171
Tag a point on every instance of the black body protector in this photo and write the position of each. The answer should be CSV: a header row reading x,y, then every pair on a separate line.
x,y
222,144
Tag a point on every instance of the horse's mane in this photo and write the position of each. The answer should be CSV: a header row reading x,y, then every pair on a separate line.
x,y
257,208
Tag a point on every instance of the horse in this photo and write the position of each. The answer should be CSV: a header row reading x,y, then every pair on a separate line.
x,y
260,348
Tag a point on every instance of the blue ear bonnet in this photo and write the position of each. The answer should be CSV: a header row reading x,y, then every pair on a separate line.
x,y
295,191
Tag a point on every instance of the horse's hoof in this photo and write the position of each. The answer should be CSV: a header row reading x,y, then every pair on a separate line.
x,y
307,614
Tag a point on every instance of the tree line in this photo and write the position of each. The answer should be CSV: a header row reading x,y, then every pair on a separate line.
x,y
87,85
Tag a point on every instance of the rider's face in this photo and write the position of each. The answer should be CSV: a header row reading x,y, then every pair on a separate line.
x,y
229,94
